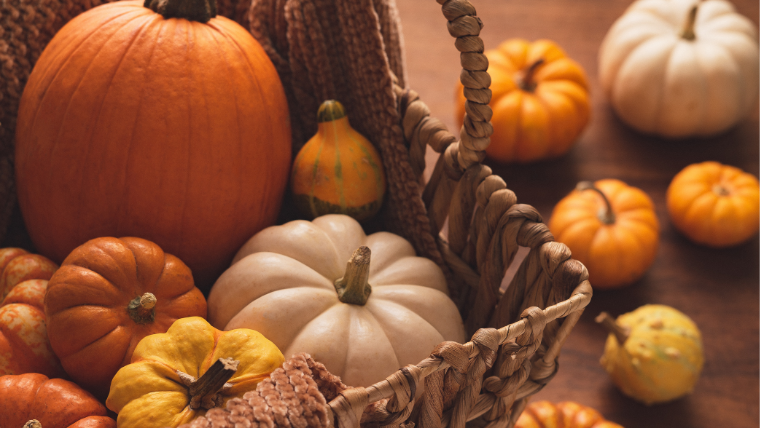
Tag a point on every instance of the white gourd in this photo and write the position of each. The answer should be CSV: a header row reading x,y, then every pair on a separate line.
x,y
281,284
662,81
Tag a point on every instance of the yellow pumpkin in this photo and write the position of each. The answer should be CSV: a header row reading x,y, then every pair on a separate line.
x,y
363,320
714,204
174,377
567,414
540,101
653,354
338,171
611,228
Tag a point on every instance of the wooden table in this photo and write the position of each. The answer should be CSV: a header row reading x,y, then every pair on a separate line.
x,y
718,289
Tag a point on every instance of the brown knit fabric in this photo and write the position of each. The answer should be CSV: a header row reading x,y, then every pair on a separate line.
x,y
295,395
351,51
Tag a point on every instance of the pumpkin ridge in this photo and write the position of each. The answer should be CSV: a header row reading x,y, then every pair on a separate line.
x,y
73,51
338,163
82,177
375,167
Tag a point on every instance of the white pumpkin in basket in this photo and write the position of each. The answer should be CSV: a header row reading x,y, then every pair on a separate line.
x,y
282,284
680,68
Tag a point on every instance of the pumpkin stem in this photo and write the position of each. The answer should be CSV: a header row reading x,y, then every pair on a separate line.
x,y
34,423
527,83
330,110
621,333
606,215
142,309
193,10
688,29
353,288
720,190
204,392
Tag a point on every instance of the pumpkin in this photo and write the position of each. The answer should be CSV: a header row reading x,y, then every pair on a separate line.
x,y
653,354
34,401
539,99
566,414
715,204
177,376
338,171
611,228
24,344
163,124
108,294
680,68
18,265
364,306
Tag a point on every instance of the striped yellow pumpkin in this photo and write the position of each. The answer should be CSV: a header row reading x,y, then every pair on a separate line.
x,y
338,171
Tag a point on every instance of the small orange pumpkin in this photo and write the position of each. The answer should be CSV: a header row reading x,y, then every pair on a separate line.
x,y
108,294
714,204
567,414
338,171
611,228
32,400
24,344
540,101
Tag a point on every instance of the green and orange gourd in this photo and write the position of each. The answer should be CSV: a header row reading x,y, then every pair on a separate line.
x,y
338,171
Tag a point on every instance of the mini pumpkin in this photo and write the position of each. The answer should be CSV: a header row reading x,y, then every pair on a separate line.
x,y
566,414
611,228
177,376
338,171
32,400
714,204
108,294
680,68
364,306
24,344
653,354
156,119
539,99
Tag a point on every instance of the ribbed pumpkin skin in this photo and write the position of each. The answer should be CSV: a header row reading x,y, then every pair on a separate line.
x,y
537,123
55,403
567,414
171,130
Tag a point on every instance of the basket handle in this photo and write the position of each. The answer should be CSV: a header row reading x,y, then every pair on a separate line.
x,y
475,135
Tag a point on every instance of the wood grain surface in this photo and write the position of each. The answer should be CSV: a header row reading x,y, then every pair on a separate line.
x,y
718,289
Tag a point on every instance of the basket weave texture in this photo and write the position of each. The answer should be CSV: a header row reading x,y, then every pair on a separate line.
x,y
352,50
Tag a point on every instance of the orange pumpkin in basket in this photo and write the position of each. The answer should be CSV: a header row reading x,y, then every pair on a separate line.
x,y
33,401
540,101
715,205
24,344
108,294
611,228
567,414
164,124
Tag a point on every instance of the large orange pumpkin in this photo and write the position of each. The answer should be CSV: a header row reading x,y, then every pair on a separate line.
x,y
108,294
52,403
170,129
611,228
24,344
540,101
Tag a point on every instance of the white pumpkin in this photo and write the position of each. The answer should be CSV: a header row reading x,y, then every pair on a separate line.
x,y
281,284
680,68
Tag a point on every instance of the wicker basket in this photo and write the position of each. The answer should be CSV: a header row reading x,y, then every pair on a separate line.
x,y
517,332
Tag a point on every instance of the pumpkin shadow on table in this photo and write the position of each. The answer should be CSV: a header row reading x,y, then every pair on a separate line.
x,y
677,413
